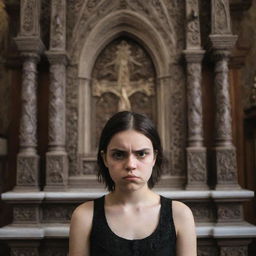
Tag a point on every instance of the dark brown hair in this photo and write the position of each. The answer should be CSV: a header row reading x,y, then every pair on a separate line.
x,y
123,121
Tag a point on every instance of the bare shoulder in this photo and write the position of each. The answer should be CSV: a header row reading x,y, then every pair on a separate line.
x,y
181,210
80,229
182,216
83,213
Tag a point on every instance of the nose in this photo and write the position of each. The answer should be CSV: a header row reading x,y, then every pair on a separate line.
x,y
130,163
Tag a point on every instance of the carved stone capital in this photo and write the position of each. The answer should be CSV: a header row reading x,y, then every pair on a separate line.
x,y
222,42
56,170
194,56
196,168
27,172
29,45
57,57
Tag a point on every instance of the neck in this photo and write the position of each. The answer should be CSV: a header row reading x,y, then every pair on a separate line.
x,y
142,196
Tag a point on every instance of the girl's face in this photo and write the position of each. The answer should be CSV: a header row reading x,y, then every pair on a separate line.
x,y
130,158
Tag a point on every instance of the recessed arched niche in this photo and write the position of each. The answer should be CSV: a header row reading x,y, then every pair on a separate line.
x,y
123,78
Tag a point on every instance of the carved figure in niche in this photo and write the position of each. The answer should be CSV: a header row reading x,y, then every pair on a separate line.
x,y
123,88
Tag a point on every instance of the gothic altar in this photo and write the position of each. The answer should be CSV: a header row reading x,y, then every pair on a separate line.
x,y
105,56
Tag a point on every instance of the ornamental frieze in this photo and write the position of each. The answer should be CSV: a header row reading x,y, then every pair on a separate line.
x,y
229,212
61,213
24,251
233,251
25,213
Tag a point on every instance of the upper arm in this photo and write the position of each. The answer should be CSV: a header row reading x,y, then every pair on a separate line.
x,y
185,229
80,229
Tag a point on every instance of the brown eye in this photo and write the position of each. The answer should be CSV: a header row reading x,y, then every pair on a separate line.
x,y
118,155
141,154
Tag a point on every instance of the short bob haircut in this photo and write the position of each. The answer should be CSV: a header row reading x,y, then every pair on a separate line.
x,y
123,121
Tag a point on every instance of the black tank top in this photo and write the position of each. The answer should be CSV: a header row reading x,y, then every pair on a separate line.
x,y
162,242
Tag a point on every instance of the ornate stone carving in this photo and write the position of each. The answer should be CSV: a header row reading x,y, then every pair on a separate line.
x,y
229,212
206,251
56,166
203,212
193,24
194,98
25,213
124,64
28,123
72,119
91,4
27,170
59,213
24,251
88,167
89,17
30,14
233,251
121,71
196,165
58,25
57,105
220,17
226,166
223,109
28,21
177,118
56,251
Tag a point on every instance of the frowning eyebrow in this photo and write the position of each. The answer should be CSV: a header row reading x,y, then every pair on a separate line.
x,y
133,151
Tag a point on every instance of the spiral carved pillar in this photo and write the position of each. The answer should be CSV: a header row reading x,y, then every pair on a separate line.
x,y
30,47
224,152
196,152
56,157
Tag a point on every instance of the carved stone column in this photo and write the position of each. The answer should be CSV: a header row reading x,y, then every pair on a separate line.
x,y
30,46
56,157
224,153
196,152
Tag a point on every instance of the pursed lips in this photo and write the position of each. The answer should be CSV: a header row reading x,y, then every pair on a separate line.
x,y
131,177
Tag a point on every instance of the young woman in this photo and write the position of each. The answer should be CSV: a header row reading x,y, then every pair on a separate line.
x,y
131,219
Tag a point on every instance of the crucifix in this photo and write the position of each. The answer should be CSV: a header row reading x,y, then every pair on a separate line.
x,y
123,88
